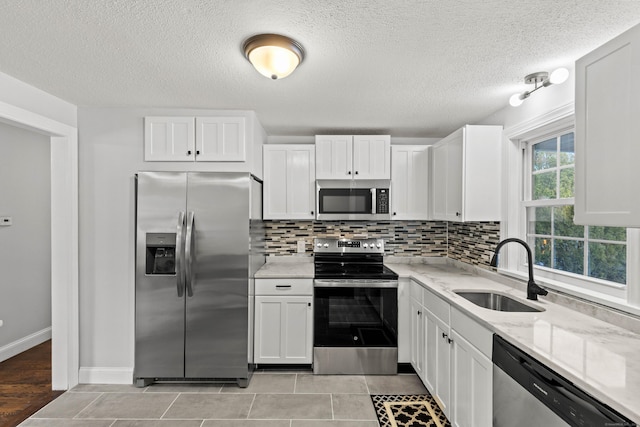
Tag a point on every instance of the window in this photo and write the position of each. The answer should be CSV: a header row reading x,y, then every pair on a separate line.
x,y
593,257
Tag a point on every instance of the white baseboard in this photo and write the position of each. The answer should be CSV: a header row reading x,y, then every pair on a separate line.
x,y
106,375
23,344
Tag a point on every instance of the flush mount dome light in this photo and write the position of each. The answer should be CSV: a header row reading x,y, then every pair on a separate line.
x,y
273,55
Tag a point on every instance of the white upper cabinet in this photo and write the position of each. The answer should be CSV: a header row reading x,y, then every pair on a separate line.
x,y
466,175
607,128
371,157
410,182
169,139
289,181
220,139
334,156
353,157
205,139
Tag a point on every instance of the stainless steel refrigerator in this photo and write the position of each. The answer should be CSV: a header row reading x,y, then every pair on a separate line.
x,y
199,241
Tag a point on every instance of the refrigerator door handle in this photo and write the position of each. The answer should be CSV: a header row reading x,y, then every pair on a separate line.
x,y
188,251
180,255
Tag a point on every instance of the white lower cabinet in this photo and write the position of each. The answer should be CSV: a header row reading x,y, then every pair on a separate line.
x,y
451,354
417,338
283,321
439,357
472,384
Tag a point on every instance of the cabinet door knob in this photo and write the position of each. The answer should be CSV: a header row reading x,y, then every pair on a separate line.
x,y
444,335
419,312
457,213
197,152
311,212
395,213
449,340
188,152
356,172
349,173
308,304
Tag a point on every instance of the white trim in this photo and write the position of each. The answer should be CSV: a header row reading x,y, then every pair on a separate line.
x,y
547,203
64,239
24,344
530,128
105,375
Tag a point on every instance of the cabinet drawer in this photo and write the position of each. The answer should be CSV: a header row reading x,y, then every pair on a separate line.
x,y
416,291
479,336
284,286
436,305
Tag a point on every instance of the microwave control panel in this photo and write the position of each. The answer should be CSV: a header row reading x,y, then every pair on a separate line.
x,y
382,200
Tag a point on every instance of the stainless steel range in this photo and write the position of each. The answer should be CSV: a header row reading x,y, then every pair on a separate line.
x,y
356,308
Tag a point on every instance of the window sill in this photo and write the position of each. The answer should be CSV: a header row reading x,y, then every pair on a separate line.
x,y
587,295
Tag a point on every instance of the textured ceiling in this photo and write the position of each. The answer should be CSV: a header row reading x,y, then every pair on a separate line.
x,y
409,68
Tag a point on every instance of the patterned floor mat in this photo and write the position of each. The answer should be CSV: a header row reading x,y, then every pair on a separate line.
x,y
414,410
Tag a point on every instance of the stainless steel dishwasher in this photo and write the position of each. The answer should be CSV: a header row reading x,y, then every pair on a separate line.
x,y
526,393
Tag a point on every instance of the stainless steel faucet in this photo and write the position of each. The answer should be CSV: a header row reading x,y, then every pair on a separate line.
x,y
533,289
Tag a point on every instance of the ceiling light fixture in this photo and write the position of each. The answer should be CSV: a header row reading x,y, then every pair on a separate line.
x,y
540,79
273,55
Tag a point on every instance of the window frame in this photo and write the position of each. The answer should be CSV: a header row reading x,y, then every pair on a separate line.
x,y
605,287
513,258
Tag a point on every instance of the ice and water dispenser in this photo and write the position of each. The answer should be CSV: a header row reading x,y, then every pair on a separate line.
x,y
161,253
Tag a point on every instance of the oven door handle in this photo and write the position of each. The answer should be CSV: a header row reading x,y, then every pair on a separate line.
x,y
326,283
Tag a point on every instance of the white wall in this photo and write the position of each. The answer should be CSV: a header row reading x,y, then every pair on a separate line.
x,y
110,153
23,95
25,247
540,102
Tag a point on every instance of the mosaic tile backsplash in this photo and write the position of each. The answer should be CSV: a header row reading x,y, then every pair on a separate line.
x,y
473,242
469,242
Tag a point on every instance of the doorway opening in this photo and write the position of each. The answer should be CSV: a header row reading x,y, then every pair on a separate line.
x,y
64,239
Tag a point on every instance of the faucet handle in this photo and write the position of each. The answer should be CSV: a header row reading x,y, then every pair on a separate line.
x,y
533,290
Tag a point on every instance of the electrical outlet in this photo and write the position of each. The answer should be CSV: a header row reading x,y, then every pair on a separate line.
x,y
301,246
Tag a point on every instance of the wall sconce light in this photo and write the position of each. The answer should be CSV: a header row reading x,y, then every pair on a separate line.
x,y
273,55
540,79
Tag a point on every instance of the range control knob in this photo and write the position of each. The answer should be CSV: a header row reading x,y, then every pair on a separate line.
x,y
326,245
364,245
319,245
379,245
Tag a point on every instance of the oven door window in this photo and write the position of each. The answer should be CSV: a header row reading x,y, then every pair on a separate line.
x,y
345,201
356,317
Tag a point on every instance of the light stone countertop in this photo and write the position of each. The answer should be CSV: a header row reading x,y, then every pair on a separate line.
x,y
287,267
600,358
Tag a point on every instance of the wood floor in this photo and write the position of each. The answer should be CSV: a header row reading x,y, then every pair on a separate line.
x,y
25,384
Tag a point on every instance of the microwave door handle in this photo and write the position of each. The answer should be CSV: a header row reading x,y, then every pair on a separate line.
x,y
180,255
373,201
188,252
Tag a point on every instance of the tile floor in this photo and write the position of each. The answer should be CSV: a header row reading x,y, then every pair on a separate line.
x,y
272,400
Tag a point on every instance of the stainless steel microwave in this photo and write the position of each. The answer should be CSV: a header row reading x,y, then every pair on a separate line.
x,y
353,200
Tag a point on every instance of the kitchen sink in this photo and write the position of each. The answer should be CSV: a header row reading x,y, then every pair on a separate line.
x,y
496,301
